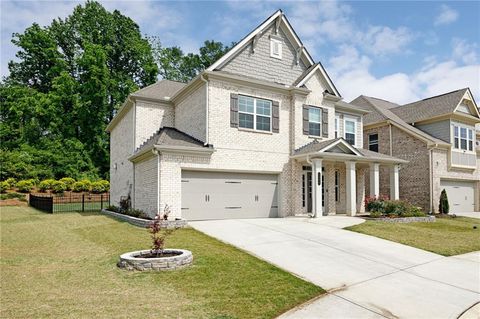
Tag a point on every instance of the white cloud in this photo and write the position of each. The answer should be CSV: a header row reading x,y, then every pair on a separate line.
x,y
446,16
353,77
382,40
465,51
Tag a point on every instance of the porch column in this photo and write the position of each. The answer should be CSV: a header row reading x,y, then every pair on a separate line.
x,y
374,180
351,207
394,183
317,187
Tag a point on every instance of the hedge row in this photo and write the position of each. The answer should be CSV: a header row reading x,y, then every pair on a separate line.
x,y
56,186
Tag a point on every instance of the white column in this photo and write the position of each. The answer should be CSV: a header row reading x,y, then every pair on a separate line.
x,y
351,191
374,179
317,187
394,183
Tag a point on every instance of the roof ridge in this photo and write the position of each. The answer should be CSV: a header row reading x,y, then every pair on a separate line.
x,y
366,97
435,96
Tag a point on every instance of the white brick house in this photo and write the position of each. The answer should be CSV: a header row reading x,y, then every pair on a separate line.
x,y
263,132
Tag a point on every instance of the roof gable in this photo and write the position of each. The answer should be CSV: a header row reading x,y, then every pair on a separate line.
x,y
467,105
317,68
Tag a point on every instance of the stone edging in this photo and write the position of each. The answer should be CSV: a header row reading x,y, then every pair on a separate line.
x,y
426,219
128,261
140,222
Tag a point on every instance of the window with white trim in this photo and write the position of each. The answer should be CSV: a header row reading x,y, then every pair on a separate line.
x,y
314,121
463,138
373,142
350,128
275,48
255,114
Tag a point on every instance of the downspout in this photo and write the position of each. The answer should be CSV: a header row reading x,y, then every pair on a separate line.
x,y
314,213
206,110
390,132
430,155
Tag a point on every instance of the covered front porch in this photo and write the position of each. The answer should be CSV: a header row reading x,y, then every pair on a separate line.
x,y
331,177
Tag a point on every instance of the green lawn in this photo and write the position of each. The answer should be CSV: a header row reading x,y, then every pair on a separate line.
x,y
448,237
64,266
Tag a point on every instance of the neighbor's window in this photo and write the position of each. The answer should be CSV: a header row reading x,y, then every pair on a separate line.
x,y
314,121
350,130
254,113
462,138
276,48
373,142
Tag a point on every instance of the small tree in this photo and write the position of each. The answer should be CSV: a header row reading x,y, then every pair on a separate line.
x,y
443,207
159,233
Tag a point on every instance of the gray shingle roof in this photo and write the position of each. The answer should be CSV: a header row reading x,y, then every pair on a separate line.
x,y
170,136
314,146
160,90
382,110
430,107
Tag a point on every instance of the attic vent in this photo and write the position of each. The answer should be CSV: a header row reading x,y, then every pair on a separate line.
x,y
275,48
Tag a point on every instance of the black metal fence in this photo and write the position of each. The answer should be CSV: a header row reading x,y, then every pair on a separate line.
x,y
70,202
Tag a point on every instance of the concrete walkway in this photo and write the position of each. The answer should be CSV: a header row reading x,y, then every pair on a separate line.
x,y
366,277
469,214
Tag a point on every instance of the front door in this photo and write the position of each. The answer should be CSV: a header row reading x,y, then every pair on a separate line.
x,y
307,189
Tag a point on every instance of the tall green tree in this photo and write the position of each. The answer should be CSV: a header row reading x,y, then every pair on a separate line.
x,y
69,79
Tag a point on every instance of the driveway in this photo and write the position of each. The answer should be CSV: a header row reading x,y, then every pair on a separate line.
x,y
366,277
469,214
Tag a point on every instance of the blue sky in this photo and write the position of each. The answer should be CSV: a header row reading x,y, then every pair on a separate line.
x,y
401,51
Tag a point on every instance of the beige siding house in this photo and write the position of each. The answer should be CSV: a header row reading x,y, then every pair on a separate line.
x,y
263,132
438,139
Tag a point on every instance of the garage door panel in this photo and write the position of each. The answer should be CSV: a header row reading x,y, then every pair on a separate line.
x,y
219,195
461,195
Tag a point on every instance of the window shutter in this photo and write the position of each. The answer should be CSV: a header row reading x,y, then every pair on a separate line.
x,y
275,117
305,119
233,110
325,122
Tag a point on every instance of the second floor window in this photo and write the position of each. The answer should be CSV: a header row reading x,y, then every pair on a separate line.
x,y
463,138
254,113
373,142
314,121
337,123
350,130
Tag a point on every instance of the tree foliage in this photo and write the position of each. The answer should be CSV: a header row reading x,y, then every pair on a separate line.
x,y
68,81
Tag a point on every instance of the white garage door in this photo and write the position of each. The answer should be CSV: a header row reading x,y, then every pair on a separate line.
x,y
460,195
215,195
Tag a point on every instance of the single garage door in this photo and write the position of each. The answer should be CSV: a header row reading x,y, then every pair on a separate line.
x,y
220,195
461,195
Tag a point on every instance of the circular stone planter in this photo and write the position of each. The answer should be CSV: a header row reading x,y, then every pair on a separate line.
x,y
175,259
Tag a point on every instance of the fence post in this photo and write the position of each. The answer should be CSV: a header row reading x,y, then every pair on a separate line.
x,y
83,202
101,201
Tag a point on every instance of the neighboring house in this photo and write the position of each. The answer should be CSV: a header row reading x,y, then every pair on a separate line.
x,y
437,136
263,132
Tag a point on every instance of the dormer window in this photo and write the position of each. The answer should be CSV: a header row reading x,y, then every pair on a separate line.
x,y
276,48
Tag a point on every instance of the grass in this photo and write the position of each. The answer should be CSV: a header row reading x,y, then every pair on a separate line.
x,y
446,236
64,266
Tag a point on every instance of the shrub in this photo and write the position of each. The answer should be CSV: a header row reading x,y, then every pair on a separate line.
x,y
444,206
396,207
68,182
82,186
125,204
375,214
46,185
12,182
100,186
13,195
158,234
113,208
4,186
25,186
392,208
58,186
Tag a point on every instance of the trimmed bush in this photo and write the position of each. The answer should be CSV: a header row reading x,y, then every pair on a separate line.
x,y
82,186
106,185
25,186
100,186
12,182
4,186
444,206
58,187
46,185
68,181
113,208
13,195
392,208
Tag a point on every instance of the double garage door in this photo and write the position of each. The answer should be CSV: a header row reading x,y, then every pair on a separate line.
x,y
220,195
461,195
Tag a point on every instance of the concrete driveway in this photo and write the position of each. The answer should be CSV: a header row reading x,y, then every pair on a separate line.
x,y
469,214
366,277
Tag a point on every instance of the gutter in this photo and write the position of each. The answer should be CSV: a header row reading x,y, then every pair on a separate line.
x,y
356,158
206,109
158,149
